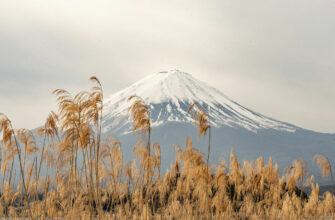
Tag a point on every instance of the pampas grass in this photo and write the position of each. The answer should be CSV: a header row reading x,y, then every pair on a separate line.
x,y
202,120
324,165
65,170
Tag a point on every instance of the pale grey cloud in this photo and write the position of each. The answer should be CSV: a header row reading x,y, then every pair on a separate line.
x,y
276,57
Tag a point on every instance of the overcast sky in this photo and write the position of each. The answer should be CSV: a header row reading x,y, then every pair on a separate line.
x,y
276,57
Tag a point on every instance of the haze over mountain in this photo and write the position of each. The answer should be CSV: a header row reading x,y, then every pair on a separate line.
x,y
168,94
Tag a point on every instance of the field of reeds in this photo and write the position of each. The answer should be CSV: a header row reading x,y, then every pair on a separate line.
x,y
65,169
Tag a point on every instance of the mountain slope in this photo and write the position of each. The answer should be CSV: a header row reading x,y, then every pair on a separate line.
x,y
169,94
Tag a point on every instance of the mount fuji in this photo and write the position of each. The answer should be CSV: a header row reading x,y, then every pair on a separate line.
x,y
168,94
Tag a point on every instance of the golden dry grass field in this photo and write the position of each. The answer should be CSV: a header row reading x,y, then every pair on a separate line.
x,y
66,170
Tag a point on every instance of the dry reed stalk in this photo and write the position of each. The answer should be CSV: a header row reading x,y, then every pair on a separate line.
x,y
141,123
96,110
8,132
202,120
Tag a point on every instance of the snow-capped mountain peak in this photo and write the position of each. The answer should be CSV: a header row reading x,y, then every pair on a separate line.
x,y
168,86
168,95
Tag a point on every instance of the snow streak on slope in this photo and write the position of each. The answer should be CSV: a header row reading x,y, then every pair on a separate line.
x,y
168,95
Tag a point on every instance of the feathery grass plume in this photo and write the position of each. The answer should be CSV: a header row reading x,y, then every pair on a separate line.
x,y
141,123
8,132
141,115
50,130
197,179
324,165
300,167
295,174
49,133
8,143
26,137
202,120
112,154
72,119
